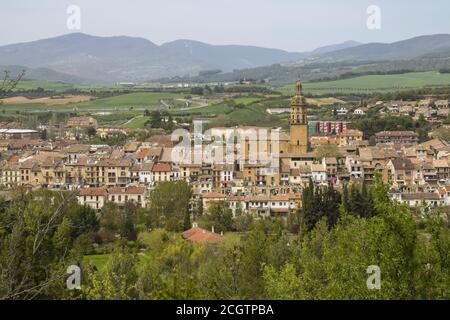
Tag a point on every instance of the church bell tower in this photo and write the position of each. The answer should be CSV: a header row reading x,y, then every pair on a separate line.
x,y
299,123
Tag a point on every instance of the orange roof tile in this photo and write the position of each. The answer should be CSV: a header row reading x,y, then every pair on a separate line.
x,y
199,235
161,167
93,192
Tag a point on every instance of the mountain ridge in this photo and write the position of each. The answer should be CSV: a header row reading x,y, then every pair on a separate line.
x,y
135,59
123,58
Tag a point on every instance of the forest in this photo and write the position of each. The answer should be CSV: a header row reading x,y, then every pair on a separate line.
x,y
323,251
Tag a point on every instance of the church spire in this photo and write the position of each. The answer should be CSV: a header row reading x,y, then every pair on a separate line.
x,y
299,88
299,122
297,100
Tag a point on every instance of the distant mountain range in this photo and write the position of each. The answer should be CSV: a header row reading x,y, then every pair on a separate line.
x,y
110,59
84,58
335,47
414,48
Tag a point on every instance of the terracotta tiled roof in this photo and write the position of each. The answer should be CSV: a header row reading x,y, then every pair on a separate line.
x,y
235,198
29,164
199,235
330,160
149,152
77,148
145,167
132,146
162,167
81,121
396,134
351,133
403,164
161,140
295,196
128,190
440,163
317,168
280,197
124,162
257,198
13,159
213,195
143,153
93,192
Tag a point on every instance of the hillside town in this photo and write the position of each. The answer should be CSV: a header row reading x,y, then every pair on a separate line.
x,y
97,174
227,159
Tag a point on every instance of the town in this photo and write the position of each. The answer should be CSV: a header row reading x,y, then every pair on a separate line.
x,y
326,152
207,152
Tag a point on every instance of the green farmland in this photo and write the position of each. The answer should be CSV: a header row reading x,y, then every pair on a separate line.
x,y
149,100
141,100
58,86
375,83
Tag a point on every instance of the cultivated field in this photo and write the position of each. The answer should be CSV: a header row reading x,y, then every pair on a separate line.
x,y
138,100
375,83
49,101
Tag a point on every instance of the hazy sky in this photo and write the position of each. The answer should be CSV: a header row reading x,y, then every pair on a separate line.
x,y
295,25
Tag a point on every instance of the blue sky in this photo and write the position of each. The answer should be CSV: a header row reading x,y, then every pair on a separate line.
x,y
294,25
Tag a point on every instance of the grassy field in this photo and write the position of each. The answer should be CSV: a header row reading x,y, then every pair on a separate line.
x,y
61,86
33,84
247,100
214,109
147,100
116,118
98,260
375,83
127,109
137,122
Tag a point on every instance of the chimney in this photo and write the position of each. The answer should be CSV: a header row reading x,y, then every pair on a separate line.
x,y
212,229
195,225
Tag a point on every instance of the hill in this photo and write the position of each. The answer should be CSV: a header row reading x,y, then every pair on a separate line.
x,y
374,83
114,59
43,74
401,50
335,47
81,58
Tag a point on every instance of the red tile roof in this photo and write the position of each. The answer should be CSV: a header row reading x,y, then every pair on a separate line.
x,y
161,140
213,195
93,192
162,167
351,133
199,235
396,134
128,190
143,153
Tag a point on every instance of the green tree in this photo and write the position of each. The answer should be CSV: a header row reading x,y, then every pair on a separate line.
x,y
283,285
117,281
219,216
170,202
36,239
91,131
